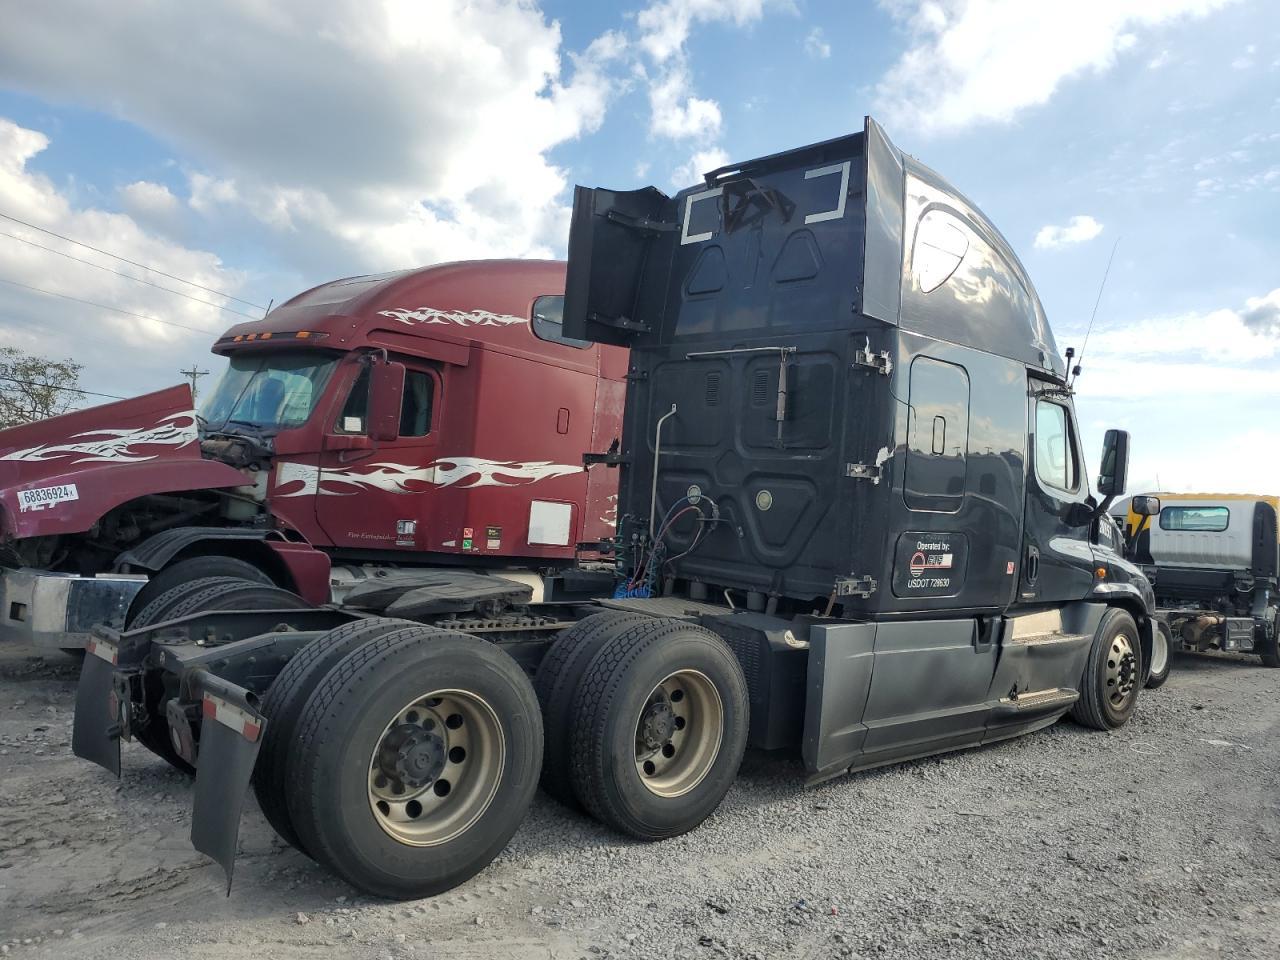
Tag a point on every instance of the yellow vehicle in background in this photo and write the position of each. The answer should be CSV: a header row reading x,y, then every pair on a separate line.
x,y
1214,560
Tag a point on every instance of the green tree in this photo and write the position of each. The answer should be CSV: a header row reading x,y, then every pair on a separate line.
x,y
34,388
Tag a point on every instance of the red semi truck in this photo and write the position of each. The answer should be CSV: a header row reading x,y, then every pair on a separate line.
x,y
434,417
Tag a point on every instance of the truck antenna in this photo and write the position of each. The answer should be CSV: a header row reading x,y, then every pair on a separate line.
x,y
1075,371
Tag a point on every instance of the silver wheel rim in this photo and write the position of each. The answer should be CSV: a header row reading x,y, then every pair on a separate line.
x,y
1159,652
1122,671
678,733
436,767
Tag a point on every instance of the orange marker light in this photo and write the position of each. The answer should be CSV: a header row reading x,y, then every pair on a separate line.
x,y
237,338
265,336
302,334
1100,573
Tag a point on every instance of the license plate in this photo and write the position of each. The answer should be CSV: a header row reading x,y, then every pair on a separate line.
x,y
41,498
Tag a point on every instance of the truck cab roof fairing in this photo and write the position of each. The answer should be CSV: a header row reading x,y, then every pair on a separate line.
x,y
637,256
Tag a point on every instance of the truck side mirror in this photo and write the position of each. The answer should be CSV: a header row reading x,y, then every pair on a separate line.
x,y
1114,474
1146,506
386,396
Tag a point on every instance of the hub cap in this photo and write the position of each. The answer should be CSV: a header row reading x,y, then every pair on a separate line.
x,y
1121,672
436,767
678,733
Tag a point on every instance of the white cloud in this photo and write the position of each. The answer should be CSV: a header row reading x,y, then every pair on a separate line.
x,y
1262,314
689,173
816,46
665,25
972,61
1076,230
375,134
1245,60
676,112
1159,60
57,327
147,197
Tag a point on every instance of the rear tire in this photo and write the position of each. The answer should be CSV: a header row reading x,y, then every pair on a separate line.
x,y
1112,674
660,729
284,705
1161,656
194,568
208,593
556,684
376,712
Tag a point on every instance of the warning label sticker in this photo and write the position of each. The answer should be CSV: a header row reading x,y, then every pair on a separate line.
x,y
930,564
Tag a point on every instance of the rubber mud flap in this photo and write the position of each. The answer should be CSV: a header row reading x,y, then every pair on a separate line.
x,y
95,731
224,768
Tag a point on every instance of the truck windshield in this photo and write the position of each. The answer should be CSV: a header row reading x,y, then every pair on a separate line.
x,y
269,391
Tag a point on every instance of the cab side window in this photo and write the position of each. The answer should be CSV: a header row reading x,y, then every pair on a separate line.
x,y
415,413
548,322
1056,464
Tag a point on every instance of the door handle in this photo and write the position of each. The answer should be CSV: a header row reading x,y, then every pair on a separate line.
x,y
1032,569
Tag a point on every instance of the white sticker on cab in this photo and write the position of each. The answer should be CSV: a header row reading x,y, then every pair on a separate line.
x,y
40,498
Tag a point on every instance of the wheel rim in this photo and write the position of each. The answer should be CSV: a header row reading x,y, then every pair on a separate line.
x,y
436,767
1159,652
1122,670
678,733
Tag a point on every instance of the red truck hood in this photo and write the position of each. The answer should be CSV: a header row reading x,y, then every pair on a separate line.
x,y
101,456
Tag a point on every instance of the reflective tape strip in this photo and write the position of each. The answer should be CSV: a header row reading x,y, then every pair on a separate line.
x,y
103,650
229,715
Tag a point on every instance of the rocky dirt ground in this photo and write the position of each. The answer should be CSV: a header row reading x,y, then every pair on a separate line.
x,y
1159,841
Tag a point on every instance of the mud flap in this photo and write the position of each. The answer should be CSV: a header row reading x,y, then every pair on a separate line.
x,y
96,728
230,738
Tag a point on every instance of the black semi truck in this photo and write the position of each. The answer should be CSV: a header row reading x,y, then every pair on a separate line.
x,y
854,523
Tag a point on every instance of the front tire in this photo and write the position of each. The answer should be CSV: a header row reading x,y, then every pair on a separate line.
x,y
208,593
1161,658
661,729
194,568
1112,674
415,762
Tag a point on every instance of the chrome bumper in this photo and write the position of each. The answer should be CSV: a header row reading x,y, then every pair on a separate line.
x,y
61,609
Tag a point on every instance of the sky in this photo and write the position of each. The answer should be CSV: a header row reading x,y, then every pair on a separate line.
x,y
258,149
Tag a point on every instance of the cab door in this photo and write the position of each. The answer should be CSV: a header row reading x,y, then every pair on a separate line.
x,y
1058,562
374,494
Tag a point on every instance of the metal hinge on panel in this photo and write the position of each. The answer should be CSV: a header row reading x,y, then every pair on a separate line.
x,y
877,361
856,587
862,471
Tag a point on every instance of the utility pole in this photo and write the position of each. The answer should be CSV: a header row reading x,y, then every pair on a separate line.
x,y
193,374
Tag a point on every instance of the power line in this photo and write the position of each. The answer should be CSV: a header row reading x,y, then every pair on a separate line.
x,y
87,393
132,263
41,246
103,306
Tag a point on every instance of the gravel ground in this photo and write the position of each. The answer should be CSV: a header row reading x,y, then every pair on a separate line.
x,y
1161,840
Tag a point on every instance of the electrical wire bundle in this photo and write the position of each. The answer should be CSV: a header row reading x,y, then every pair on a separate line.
x,y
649,568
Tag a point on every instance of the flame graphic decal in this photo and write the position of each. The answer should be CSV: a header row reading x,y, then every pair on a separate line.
x,y
300,479
461,318
116,446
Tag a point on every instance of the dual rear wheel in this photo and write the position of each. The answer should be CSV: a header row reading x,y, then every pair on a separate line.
x,y
404,757
401,756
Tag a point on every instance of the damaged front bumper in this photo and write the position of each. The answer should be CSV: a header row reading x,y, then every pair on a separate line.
x,y
193,683
61,609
